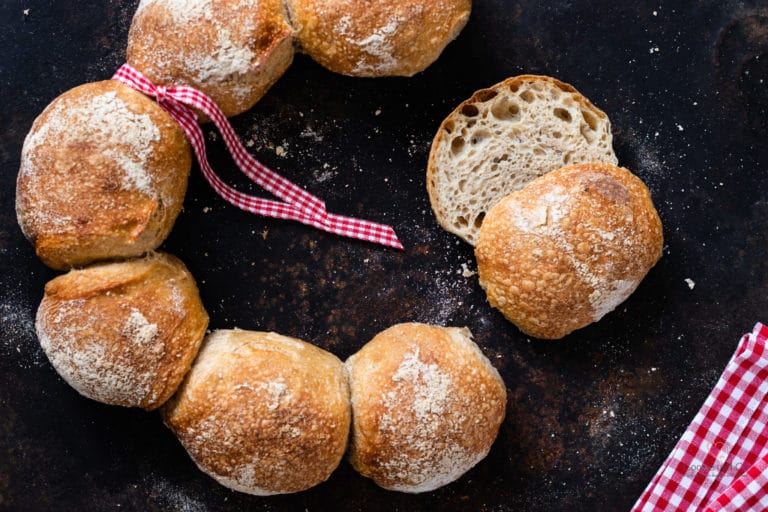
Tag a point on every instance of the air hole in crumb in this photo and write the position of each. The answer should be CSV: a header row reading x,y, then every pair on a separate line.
x,y
563,114
479,219
462,221
469,110
449,127
462,184
514,87
587,133
485,95
457,145
538,151
526,96
478,137
590,119
505,110
557,135
567,158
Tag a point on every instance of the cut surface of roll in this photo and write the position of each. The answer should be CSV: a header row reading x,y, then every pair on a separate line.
x,y
262,413
427,406
123,333
504,137
568,248
103,176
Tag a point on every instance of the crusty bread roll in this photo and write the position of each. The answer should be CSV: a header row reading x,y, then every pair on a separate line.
x,y
123,333
503,138
262,413
568,248
377,38
103,175
232,50
427,405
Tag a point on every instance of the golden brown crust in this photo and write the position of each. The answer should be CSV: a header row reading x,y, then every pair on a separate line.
x,y
383,38
568,248
103,175
123,333
263,413
427,405
232,50
441,206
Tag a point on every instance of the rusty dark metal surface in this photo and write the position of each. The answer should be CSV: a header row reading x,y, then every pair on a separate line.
x,y
590,418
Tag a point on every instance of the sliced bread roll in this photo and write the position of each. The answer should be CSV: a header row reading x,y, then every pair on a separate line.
x,y
504,137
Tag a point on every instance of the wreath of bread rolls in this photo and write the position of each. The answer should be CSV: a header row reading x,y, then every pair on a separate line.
x,y
103,175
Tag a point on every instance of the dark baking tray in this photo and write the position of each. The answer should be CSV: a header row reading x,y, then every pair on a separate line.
x,y
590,418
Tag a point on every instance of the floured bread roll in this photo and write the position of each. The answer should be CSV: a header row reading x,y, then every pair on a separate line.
x,y
568,248
262,413
103,175
232,50
377,38
123,333
427,405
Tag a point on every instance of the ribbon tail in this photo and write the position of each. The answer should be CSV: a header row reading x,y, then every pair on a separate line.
x,y
255,170
363,230
297,204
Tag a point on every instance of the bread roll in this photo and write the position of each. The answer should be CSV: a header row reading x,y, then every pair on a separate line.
x,y
262,413
427,405
504,137
123,333
232,50
377,38
568,248
103,175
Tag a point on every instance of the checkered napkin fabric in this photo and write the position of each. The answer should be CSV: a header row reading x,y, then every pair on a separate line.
x,y
721,462
296,203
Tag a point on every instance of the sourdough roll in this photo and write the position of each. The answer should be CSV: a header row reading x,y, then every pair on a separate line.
x,y
232,50
262,413
103,175
427,406
377,38
123,333
568,248
504,137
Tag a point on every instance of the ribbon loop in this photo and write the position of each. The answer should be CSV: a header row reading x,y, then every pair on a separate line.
x,y
295,202
161,93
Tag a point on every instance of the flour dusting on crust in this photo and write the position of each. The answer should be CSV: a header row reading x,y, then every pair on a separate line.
x,y
425,391
106,122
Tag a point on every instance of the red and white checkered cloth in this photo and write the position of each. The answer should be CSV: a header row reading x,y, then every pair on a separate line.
x,y
297,204
721,462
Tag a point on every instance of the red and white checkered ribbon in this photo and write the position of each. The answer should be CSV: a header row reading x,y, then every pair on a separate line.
x,y
721,462
297,204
